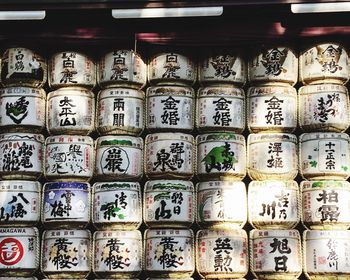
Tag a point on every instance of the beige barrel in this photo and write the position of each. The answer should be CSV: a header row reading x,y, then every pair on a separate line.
x,y
324,156
324,63
275,254
277,64
326,205
222,254
272,156
326,254
23,67
220,108
274,204
272,108
324,107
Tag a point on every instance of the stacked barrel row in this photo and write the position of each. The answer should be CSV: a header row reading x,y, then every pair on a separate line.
x,y
170,162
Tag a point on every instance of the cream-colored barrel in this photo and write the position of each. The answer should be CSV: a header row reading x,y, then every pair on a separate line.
x,y
277,64
220,156
19,251
170,108
221,204
324,156
222,253
171,69
272,109
272,156
169,252
273,204
223,68
23,67
71,68
220,108
121,68
120,111
169,203
66,253
275,254
70,110
169,156
326,205
326,254
118,253
324,63
324,107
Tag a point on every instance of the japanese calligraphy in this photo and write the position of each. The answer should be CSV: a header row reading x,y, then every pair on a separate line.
x,y
115,160
19,65
274,111
15,208
170,253
69,70
170,159
329,58
281,205
115,257
223,66
62,207
67,114
118,107
223,251
119,67
18,110
16,156
62,255
273,61
326,108
112,209
330,160
328,210
222,115
65,162
170,111
332,257
176,200
275,161
280,247
220,158
171,67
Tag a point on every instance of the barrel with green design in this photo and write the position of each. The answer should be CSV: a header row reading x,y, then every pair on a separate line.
x,y
119,158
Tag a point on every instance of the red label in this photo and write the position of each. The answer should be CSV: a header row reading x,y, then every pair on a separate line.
x,y
11,251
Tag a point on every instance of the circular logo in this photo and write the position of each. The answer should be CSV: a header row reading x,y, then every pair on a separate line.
x,y
11,251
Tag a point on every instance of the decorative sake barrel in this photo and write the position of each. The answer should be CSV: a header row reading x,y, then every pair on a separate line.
x,y
66,253
171,69
70,110
22,109
71,68
324,107
273,204
272,156
117,253
275,254
325,205
23,67
121,68
170,108
169,252
324,63
169,156
19,251
220,156
221,204
230,246
324,156
272,109
66,205
19,203
220,108
120,111
169,203
277,64
69,158
222,67
116,205
21,156
326,254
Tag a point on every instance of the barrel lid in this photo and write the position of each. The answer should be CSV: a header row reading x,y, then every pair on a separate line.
x,y
170,90
172,185
220,136
120,140
113,186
